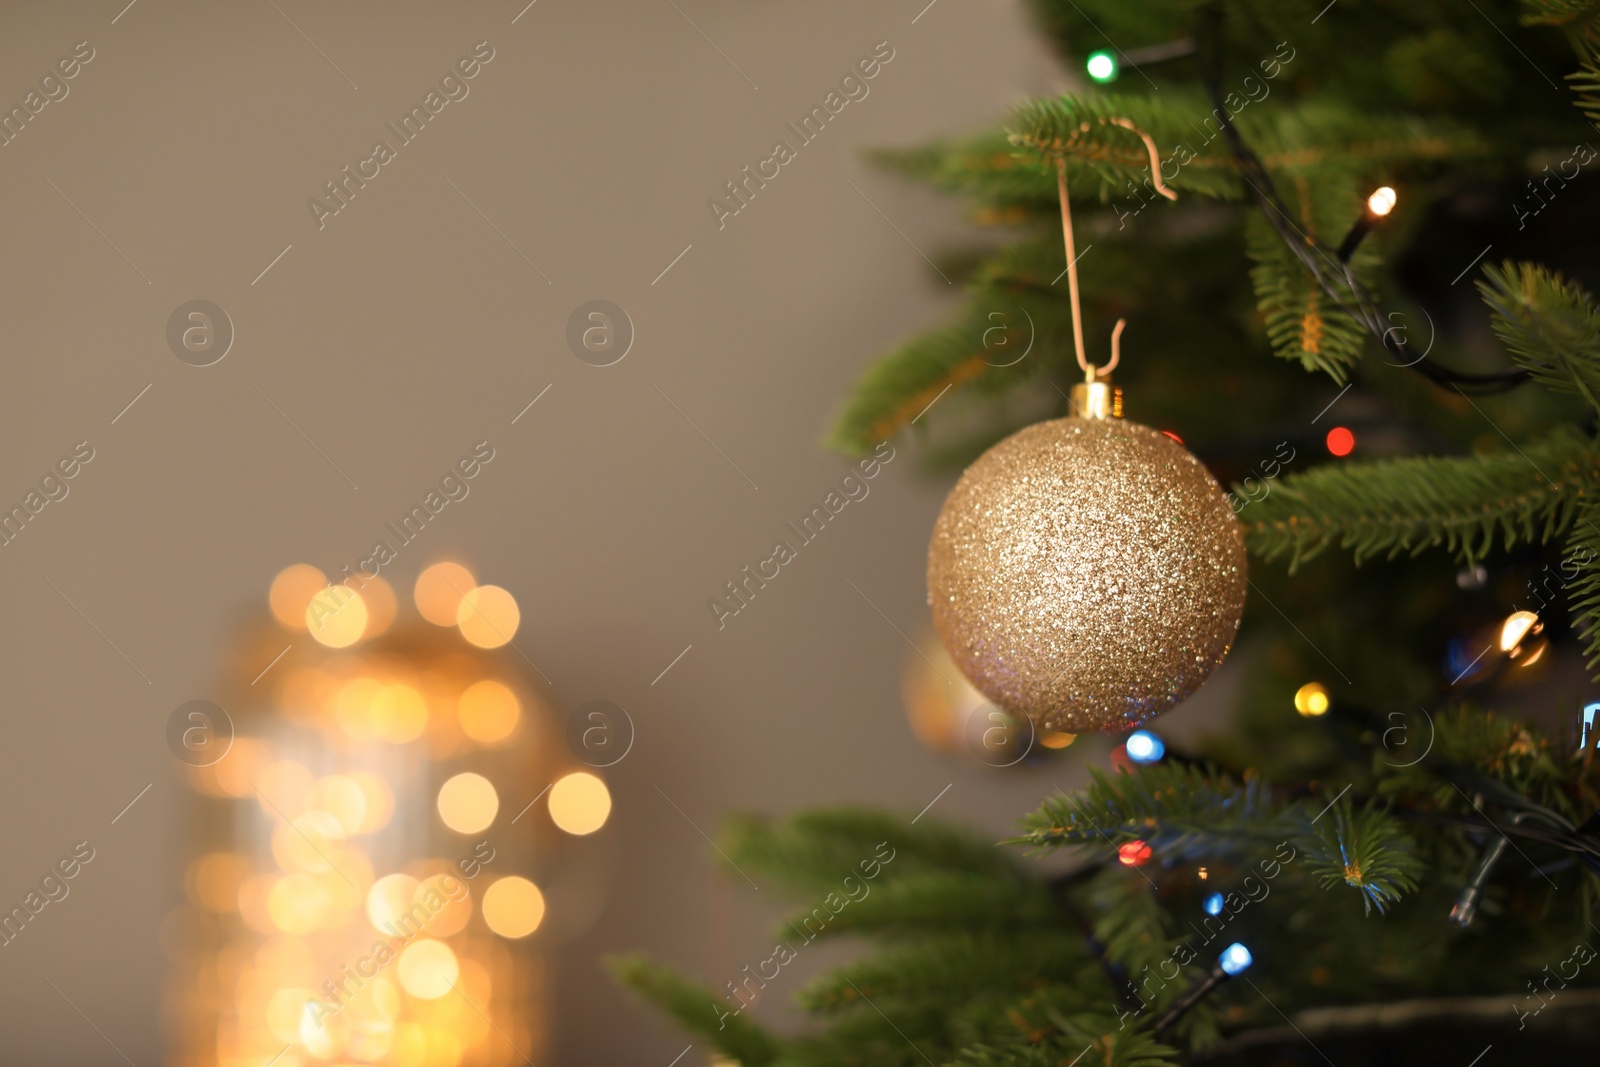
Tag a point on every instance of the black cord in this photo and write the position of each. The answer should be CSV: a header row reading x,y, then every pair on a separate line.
x,y
1331,275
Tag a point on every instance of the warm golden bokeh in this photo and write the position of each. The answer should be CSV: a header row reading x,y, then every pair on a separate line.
x,y
399,714
488,616
382,606
428,969
580,803
1311,699
439,591
513,907
445,899
488,711
291,591
468,803
388,899
337,617
293,950
341,797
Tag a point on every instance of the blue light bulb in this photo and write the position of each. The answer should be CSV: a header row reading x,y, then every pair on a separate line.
x,y
1213,904
1145,747
1235,959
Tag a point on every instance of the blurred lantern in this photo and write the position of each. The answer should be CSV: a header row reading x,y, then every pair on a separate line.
x,y
370,862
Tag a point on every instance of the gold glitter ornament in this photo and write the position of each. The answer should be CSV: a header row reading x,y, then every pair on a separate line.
x,y
1087,572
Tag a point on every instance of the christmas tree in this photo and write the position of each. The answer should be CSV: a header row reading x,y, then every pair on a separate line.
x,y
1351,243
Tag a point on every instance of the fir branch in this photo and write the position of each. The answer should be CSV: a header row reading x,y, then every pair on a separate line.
x,y
954,968
696,1010
1053,1028
1583,592
815,850
1550,326
1366,848
917,904
1303,323
1393,507
1170,798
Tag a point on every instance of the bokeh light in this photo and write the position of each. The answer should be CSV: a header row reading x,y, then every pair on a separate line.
x,y
337,616
381,605
580,803
1517,626
1133,853
468,803
1311,699
1235,959
1340,441
291,591
445,899
488,616
513,907
399,714
341,797
388,899
1145,747
488,711
1102,67
1382,201
428,969
439,590
1056,739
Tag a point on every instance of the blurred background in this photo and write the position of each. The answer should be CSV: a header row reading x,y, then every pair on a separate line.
x,y
374,348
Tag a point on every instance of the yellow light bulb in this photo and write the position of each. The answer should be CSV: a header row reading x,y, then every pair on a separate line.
x,y
1382,201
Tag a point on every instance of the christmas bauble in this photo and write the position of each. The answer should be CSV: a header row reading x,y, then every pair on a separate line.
x,y
1087,572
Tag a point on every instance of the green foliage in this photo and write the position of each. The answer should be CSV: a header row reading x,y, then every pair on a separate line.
x,y
1465,505
695,1008
1367,849
972,954
1549,325
1583,559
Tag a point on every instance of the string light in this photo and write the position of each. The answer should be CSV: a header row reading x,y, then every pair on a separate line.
x,y
1311,699
1102,67
1379,204
1518,624
1145,747
1133,854
1340,441
1235,959
1213,904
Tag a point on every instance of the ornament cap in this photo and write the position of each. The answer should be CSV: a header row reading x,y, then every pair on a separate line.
x,y
1096,400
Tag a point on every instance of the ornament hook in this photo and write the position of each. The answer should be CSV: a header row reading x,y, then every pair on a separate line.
x,y
1091,373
